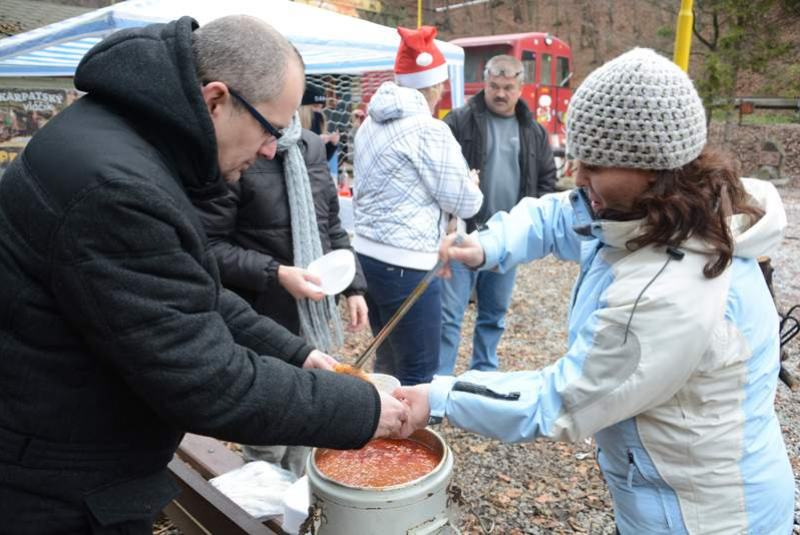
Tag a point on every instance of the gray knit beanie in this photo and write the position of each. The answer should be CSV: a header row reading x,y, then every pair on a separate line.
x,y
639,110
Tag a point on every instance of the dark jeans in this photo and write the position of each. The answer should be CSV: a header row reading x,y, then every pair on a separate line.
x,y
493,292
411,352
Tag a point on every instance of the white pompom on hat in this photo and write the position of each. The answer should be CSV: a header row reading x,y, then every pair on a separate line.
x,y
419,63
639,110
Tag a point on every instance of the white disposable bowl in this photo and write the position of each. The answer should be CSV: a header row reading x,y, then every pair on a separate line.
x,y
335,270
383,382
295,506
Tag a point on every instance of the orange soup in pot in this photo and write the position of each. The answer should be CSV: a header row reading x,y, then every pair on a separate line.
x,y
381,463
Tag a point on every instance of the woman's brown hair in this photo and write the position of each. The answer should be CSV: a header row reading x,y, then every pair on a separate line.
x,y
696,201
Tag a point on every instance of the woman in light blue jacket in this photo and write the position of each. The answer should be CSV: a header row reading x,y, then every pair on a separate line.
x,y
673,337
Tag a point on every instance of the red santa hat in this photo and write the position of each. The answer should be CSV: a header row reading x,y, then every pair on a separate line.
x,y
419,62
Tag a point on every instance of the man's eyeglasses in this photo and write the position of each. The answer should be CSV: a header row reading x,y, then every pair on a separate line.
x,y
501,72
271,130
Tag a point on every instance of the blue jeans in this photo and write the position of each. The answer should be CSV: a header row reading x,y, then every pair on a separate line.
x,y
493,293
411,352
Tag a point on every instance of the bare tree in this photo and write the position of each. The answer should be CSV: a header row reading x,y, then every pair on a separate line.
x,y
517,10
740,36
531,13
610,33
487,7
588,37
637,32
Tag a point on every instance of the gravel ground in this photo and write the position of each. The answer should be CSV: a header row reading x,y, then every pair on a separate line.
x,y
546,487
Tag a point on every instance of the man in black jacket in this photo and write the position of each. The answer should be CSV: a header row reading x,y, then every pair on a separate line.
x,y
116,336
500,139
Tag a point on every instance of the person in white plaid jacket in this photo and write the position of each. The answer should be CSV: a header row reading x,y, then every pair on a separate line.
x,y
410,177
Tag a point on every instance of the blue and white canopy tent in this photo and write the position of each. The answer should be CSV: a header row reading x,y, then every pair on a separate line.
x,y
345,55
329,42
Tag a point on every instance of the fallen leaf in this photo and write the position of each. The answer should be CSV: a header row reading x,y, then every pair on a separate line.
x,y
546,522
574,525
514,493
479,448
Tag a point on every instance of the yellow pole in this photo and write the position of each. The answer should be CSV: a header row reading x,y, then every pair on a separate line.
x,y
419,13
683,38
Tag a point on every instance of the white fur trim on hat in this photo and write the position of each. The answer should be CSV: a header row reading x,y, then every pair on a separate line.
x,y
423,79
639,110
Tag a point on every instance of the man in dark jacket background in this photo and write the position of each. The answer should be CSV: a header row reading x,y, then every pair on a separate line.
x,y
499,138
250,232
116,336
255,231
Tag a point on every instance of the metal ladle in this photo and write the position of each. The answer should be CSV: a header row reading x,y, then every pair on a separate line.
x,y
404,307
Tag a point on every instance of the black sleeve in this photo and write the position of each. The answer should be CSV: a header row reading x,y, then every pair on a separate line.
x,y
330,148
239,267
546,165
318,172
260,333
127,272
451,120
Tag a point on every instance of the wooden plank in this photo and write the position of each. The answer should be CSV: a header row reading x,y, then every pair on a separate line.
x,y
208,455
200,504
183,520
206,458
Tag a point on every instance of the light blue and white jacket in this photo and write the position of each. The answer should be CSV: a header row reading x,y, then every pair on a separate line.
x,y
673,373
409,174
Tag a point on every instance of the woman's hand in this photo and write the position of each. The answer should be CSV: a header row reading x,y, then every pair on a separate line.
x,y
357,307
317,360
294,279
469,252
419,410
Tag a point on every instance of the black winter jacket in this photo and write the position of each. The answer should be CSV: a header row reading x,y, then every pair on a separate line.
x,y
115,333
536,164
250,231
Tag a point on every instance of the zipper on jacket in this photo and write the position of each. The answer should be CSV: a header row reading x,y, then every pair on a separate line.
x,y
631,467
583,273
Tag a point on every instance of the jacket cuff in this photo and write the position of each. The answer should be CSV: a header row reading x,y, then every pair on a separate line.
x,y
271,272
376,417
438,393
349,292
491,251
300,356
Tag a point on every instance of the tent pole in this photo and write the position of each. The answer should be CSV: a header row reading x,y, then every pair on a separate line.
x,y
683,36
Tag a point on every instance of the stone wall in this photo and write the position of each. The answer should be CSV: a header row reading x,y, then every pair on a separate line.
x,y
746,140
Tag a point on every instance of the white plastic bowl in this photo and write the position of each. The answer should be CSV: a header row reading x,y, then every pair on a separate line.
x,y
295,506
335,270
384,383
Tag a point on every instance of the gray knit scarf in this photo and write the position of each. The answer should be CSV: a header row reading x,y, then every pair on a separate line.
x,y
319,320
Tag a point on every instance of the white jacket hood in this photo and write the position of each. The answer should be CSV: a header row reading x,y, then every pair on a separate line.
x,y
392,102
762,237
